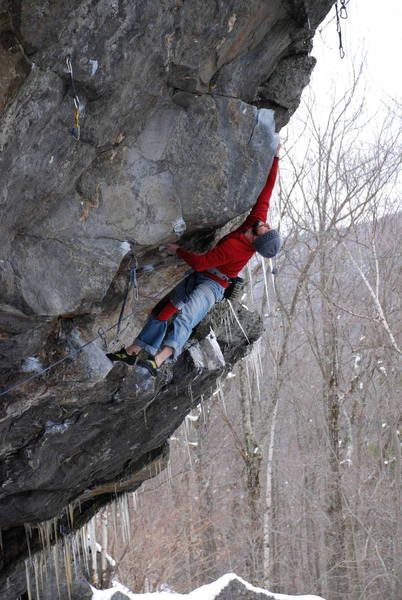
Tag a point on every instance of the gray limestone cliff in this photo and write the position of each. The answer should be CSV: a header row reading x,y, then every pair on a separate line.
x,y
173,125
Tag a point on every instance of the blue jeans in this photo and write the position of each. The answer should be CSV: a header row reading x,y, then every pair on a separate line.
x,y
194,296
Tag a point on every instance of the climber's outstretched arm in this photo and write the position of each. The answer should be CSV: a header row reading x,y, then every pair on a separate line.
x,y
260,208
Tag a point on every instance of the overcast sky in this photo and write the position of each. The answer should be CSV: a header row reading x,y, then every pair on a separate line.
x,y
373,29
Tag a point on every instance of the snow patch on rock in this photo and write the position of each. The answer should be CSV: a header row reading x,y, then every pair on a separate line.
x,y
125,247
206,592
31,364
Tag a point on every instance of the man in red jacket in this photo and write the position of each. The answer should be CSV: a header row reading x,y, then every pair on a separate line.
x,y
213,271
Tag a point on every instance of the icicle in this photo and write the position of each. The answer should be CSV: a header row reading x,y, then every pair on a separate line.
x,y
187,443
92,543
250,278
124,524
55,530
36,574
221,395
84,546
28,535
169,471
127,523
144,410
28,578
265,284
238,322
257,383
56,567
71,516
114,518
252,359
127,516
48,534
220,388
228,325
40,529
204,419
42,569
103,518
121,514
75,552
67,569
190,391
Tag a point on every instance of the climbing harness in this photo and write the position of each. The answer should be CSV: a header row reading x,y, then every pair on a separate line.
x,y
132,282
75,130
341,13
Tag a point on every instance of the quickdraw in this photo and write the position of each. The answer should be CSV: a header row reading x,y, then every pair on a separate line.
x,y
132,282
102,337
75,130
341,13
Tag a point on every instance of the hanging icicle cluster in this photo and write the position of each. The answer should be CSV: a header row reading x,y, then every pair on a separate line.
x,y
61,557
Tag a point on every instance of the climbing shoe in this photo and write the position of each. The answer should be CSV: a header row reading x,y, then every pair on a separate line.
x,y
150,365
123,356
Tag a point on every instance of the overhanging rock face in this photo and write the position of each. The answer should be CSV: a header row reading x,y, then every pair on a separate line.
x,y
173,98
82,447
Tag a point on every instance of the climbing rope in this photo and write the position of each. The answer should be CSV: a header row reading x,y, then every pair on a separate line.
x,y
341,13
75,130
101,335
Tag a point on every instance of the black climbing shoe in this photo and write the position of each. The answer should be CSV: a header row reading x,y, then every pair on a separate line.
x,y
123,356
149,365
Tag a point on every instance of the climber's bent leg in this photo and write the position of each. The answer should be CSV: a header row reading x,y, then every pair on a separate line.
x,y
155,328
151,336
200,302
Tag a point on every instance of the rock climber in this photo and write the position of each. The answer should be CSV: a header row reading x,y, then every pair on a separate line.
x,y
212,273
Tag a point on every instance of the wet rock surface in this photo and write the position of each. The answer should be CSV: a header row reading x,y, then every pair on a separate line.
x,y
173,100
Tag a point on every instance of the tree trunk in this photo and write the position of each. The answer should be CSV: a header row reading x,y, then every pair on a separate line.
x,y
335,531
252,459
203,479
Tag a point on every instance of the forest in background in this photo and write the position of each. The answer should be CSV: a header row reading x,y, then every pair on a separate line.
x,y
289,475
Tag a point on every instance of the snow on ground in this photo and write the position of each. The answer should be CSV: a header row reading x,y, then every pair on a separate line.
x,y
205,592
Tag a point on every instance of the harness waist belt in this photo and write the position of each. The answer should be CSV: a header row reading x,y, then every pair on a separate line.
x,y
221,278
216,272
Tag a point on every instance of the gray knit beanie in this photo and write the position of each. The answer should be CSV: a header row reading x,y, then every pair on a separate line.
x,y
268,243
